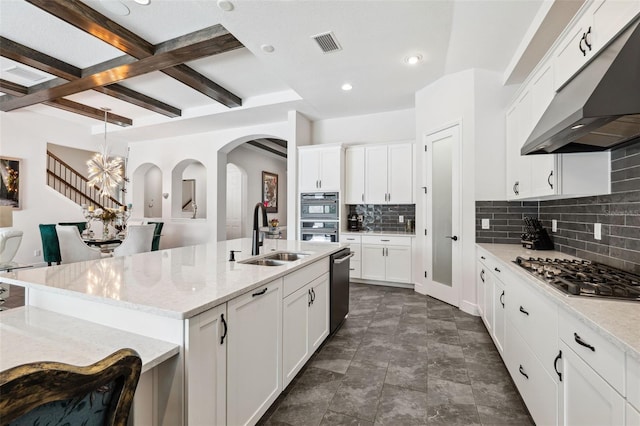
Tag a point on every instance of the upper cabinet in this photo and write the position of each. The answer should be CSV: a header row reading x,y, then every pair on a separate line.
x,y
354,175
601,21
388,174
320,168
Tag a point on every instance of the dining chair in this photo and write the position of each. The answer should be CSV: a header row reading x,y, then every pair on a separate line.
x,y
50,243
138,240
155,244
58,393
81,225
72,248
9,243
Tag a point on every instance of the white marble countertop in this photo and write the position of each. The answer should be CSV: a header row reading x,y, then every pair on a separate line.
x,y
177,283
616,320
395,233
30,334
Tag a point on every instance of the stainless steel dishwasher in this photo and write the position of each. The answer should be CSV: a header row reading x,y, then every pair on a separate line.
x,y
339,288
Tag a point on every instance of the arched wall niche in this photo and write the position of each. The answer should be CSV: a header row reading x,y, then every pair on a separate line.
x,y
147,191
189,190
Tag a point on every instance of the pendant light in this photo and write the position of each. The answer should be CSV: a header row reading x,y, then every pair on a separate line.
x,y
105,173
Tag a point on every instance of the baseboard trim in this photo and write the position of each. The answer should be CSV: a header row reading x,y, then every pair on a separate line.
x,y
470,308
382,283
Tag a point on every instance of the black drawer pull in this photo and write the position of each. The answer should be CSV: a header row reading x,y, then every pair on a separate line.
x,y
523,311
582,342
502,298
497,270
521,370
260,293
313,295
555,365
224,333
482,275
309,298
482,257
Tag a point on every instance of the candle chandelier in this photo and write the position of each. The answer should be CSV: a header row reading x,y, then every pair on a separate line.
x,y
104,172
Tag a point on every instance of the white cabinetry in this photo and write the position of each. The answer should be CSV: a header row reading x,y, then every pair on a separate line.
x,y
386,258
593,29
354,175
254,345
206,354
633,381
320,168
485,292
633,416
499,313
389,174
305,325
355,270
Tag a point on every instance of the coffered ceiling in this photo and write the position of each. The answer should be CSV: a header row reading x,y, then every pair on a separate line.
x,y
178,65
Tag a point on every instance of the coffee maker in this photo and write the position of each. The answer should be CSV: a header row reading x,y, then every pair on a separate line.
x,y
353,223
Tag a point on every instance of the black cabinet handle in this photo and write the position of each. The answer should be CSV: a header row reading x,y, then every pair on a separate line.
x,y
497,270
502,298
523,311
260,293
516,188
555,365
584,51
582,342
482,275
224,324
521,370
482,257
586,38
309,299
313,295
549,179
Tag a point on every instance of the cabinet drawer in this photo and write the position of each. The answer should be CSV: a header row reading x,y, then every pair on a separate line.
x,y
536,385
351,238
386,240
601,355
633,381
536,318
302,277
355,268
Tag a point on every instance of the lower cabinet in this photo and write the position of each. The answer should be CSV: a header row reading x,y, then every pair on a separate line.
x,y
633,416
305,325
499,314
585,397
355,268
254,344
386,258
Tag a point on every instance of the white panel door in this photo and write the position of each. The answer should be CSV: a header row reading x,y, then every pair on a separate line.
x,y
309,170
499,314
375,175
206,356
441,175
544,175
398,259
254,345
295,332
373,262
400,174
318,312
330,169
586,399
354,176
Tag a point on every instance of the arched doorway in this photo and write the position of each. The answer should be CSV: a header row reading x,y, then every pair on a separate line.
x,y
147,191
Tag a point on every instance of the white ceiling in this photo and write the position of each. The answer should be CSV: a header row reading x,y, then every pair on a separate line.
x,y
375,37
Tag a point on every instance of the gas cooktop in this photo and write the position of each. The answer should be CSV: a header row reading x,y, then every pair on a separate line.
x,y
584,278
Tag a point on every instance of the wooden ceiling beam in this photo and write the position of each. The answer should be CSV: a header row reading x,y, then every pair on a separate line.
x,y
89,20
200,44
67,105
267,148
33,58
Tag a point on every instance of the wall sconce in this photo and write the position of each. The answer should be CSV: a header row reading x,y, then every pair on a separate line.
x,y
165,195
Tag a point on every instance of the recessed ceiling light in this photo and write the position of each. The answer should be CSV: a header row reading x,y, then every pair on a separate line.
x,y
143,2
346,87
225,5
116,7
267,48
413,59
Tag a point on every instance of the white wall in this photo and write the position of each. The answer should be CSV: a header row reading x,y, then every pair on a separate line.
x,y
75,158
471,98
371,128
254,161
25,134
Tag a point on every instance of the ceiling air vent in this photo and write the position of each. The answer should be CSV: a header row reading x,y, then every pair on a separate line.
x,y
24,73
327,42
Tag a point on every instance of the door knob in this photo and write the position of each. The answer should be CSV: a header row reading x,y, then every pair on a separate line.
x,y
454,238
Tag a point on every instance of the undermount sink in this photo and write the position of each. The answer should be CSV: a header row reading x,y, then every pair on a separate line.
x,y
262,262
286,256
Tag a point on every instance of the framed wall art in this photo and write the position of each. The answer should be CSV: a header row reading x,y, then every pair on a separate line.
x,y
270,191
10,182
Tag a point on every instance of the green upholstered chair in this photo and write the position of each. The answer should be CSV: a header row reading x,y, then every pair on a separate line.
x,y
99,394
81,225
155,244
50,243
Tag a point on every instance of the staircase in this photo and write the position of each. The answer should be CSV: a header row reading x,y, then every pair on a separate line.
x,y
68,182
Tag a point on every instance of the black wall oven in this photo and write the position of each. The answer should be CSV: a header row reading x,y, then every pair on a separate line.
x,y
319,214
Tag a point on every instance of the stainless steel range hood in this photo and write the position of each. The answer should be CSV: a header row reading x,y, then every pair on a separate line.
x,y
600,108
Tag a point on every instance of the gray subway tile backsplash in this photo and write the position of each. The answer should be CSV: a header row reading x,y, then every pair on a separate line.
x,y
384,217
618,212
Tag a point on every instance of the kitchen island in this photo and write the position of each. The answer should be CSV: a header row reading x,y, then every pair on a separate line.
x,y
226,317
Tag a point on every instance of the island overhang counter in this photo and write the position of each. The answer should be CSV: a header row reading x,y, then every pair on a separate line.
x,y
193,297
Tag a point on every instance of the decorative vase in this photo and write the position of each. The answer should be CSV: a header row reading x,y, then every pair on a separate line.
x,y
105,230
